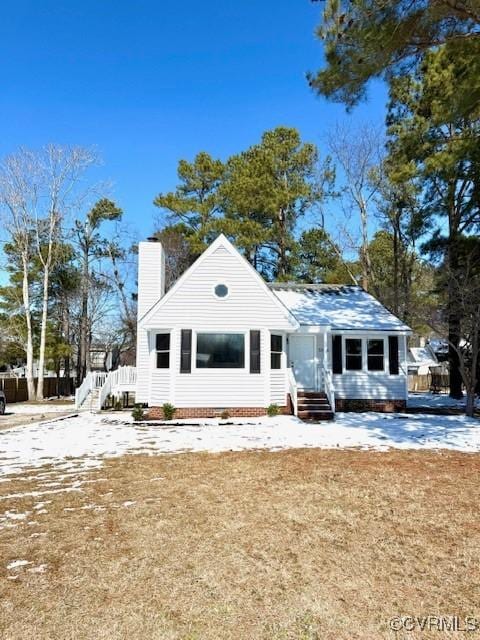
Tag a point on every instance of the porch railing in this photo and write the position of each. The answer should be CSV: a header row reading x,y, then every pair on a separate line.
x,y
123,378
329,388
292,390
93,380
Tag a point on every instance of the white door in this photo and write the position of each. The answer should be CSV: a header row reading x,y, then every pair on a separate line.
x,y
302,360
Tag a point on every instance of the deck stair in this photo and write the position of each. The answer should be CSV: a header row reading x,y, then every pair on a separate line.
x,y
98,386
313,406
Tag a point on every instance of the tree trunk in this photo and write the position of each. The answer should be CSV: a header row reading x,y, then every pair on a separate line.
x,y
28,320
43,332
395,271
367,270
83,338
66,337
470,405
453,319
282,267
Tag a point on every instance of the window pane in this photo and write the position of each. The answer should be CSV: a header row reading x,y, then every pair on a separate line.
x,y
220,350
353,346
375,347
276,360
375,363
221,290
163,360
353,363
276,343
163,342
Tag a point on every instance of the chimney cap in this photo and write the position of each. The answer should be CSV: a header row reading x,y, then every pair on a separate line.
x,y
152,239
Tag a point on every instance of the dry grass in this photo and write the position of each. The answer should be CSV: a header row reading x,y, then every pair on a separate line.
x,y
291,545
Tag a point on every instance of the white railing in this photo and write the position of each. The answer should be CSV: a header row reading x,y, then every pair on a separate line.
x,y
83,390
328,386
292,389
93,380
122,379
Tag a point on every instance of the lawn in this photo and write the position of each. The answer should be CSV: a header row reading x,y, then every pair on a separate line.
x,y
296,544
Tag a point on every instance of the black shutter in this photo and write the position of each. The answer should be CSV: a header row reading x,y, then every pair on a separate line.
x,y
393,355
254,351
186,351
337,354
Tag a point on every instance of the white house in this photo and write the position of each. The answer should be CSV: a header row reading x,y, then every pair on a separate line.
x,y
223,339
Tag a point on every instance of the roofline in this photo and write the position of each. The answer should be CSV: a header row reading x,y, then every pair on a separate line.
x,y
291,286
302,285
221,240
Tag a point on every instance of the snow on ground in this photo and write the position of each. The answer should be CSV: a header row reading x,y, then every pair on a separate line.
x,y
79,443
425,400
34,408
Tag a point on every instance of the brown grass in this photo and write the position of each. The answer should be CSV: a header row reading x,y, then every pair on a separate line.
x,y
292,545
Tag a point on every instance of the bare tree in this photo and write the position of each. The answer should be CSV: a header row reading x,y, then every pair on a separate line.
x,y
39,189
18,195
358,154
60,170
92,247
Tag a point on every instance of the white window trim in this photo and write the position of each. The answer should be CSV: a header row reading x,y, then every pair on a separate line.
x,y
364,339
208,370
220,298
154,349
282,352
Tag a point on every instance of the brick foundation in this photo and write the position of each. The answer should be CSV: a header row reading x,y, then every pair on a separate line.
x,y
382,406
156,413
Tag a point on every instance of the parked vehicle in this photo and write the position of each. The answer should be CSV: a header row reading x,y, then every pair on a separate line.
x,y
3,403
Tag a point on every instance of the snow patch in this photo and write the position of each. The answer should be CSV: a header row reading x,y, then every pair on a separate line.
x,y
15,564
81,443
40,569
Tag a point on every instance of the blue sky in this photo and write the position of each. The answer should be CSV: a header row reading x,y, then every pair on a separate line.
x,y
148,83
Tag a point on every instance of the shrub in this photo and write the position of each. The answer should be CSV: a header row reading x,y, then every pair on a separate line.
x,y
273,410
118,405
224,415
168,410
137,413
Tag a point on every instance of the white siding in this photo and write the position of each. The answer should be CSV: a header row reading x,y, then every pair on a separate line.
x,y
278,392
151,275
160,389
193,305
365,385
143,366
220,387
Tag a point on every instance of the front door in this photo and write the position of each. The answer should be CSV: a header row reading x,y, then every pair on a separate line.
x,y
302,360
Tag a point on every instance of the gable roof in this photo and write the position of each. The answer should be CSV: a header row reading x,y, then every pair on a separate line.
x,y
345,307
222,241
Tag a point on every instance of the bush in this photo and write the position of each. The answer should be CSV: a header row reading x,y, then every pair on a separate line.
x,y
168,410
118,405
224,415
137,413
273,410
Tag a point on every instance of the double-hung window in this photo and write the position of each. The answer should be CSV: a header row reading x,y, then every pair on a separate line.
x,y
162,347
276,349
375,355
353,354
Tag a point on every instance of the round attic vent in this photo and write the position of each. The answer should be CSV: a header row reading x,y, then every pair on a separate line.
x,y
221,291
